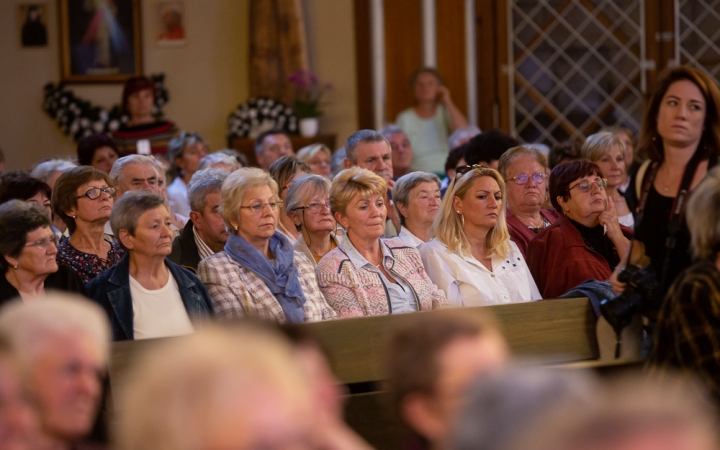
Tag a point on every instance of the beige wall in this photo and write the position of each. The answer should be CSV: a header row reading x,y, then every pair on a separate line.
x,y
206,79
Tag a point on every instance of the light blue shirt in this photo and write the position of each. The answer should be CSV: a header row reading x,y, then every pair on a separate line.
x,y
402,297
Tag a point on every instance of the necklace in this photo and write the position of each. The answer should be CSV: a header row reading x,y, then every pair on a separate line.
x,y
666,186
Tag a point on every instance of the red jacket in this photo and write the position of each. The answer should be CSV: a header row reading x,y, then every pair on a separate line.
x,y
559,259
520,234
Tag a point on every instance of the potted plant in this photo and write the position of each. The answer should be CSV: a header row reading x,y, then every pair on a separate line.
x,y
308,92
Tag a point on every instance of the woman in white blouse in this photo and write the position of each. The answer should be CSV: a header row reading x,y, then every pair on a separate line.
x,y
417,199
471,256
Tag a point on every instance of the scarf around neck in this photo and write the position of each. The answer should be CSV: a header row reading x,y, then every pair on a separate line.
x,y
280,276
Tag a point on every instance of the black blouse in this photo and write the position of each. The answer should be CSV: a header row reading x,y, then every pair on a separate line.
x,y
596,239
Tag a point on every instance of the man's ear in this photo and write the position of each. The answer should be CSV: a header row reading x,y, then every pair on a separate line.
x,y
126,239
195,217
347,164
418,413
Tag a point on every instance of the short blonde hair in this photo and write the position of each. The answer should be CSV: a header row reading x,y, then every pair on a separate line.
x,y
236,186
513,154
213,374
307,153
448,227
596,145
703,216
351,182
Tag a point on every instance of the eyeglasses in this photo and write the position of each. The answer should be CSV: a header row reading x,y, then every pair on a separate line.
x,y
315,207
462,170
586,185
523,178
44,243
257,208
95,193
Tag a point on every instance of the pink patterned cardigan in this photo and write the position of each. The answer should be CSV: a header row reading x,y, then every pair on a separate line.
x,y
360,292
237,292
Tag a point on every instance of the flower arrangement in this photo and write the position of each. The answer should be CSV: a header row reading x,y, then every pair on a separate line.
x,y
78,117
260,114
308,92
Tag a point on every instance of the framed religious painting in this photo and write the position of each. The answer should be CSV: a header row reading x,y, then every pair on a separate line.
x,y
100,41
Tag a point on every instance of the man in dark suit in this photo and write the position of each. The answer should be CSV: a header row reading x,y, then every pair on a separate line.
x,y
205,233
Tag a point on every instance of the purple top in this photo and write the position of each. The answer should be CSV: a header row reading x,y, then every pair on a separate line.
x,y
87,265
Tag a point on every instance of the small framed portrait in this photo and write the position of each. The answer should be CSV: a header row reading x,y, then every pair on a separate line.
x,y
100,40
170,23
32,18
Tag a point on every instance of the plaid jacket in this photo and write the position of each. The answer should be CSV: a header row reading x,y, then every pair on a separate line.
x,y
356,292
237,292
687,335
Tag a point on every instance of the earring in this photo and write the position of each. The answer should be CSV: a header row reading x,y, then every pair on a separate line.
x,y
15,266
236,227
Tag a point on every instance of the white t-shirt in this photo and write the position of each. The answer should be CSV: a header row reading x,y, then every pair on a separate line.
x,y
467,282
158,313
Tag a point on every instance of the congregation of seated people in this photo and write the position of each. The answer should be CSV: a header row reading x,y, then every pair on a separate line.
x,y
119,246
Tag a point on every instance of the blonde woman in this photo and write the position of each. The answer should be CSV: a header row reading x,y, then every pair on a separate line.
x,y
317,157
259,274
471,256
366,275
607,150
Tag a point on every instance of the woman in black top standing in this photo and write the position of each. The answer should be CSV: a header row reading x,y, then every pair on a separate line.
x,y
681,136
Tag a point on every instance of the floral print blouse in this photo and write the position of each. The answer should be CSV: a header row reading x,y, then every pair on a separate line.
x,y
87,265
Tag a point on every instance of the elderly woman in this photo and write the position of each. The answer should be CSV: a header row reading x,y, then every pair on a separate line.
x,y
607,150
523,169
285,170
146,295
260,274
99,151
367,275
687,326
317,157
219,160
48,172
28,250
417,199
308,206
29,190
471,256
586,241
83,199
184,152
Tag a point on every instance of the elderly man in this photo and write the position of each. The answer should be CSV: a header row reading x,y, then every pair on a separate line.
x,y
62,343
402,152
371,150
205,233
271,145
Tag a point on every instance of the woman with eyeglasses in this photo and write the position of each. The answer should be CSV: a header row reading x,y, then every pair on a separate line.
x,y
367,275
259,274
28,250
317,157
285,170
83,198
471,256
587,241
308,206
523,169
607,150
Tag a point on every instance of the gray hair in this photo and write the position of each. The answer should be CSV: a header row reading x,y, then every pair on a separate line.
x,y
460,134
408,182
336,162
241,159
596,145
703,216
389,130
212,159
29,325
308,152
127,210
513,154
203,183
46,169
362,137
307,186
116,173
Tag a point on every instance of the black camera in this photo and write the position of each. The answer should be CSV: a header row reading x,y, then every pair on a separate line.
x,y
641,295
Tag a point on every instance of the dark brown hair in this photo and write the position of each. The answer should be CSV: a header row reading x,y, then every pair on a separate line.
x,y
89,144
133,85
564,174
651,144
65,194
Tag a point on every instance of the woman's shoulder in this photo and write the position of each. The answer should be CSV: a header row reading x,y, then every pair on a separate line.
x,y
433,246
216,261
332,259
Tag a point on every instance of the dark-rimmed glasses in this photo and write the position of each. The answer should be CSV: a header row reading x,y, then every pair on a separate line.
x,y
95,193
586,185
523,178
315,207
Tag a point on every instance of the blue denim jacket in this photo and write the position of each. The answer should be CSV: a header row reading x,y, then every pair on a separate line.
x,y
111,290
